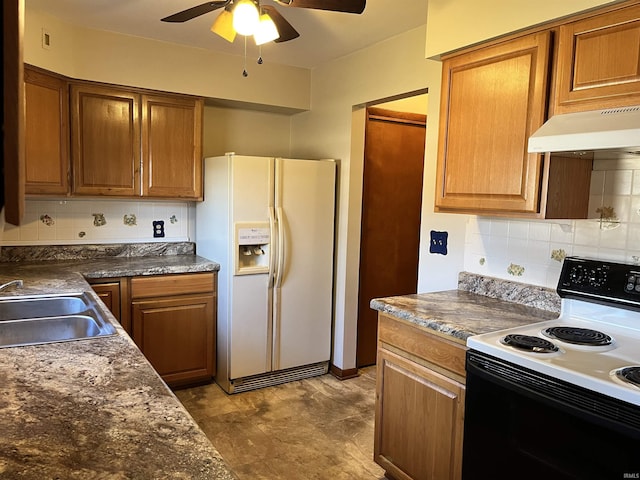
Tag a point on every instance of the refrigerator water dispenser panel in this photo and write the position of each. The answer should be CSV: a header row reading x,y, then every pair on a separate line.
x,y
252,247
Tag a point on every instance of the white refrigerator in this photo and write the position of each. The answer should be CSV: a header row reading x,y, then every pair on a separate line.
x,y
269,223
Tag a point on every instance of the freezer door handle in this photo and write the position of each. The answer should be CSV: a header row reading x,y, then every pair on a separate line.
x,y
281,248
272,249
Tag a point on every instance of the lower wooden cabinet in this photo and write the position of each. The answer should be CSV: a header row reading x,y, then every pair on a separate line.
x,y
172,319
114,293
173,324
419,403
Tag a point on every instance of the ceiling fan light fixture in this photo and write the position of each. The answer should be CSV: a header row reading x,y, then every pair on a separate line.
x,y
223,26
266,31
245,17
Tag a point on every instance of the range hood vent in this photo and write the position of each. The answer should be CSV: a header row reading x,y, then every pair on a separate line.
x,y
616,129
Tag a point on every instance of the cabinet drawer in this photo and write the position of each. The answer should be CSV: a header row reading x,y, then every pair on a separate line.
x,y
166,285
435,351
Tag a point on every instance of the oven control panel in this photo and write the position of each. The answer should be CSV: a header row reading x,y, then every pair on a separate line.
x,y
600,281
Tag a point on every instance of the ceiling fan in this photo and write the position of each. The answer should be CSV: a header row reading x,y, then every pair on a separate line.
x,y
284,30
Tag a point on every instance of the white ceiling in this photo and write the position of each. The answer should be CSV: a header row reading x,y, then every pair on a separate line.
x,y
324,35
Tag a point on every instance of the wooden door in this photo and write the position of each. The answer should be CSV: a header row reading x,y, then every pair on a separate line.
x,y
172,146
105,144
599,62
390,228
47,133
492,100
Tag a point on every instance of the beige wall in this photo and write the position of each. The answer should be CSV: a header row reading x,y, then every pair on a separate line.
x,y
122,59
245,132
455,24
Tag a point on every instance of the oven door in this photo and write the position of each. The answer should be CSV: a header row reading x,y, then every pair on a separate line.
x,y
524,425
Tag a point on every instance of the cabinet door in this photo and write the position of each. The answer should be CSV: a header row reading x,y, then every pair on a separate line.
x,y
47,133
109,293
492,100
114,293
172,146
419,421
177,336
105,141
599,62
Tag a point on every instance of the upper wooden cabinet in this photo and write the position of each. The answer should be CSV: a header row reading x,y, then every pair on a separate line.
x,y
84,138
599,62
172,146
492,100
46,133
105,141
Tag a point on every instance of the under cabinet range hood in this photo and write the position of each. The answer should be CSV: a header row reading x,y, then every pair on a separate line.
x,y
616,129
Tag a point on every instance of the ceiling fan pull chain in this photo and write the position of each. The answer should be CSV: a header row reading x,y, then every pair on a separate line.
x,y
260,61
244,72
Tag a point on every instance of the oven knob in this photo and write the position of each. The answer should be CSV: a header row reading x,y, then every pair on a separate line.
x,y
629,287
637,289
631,279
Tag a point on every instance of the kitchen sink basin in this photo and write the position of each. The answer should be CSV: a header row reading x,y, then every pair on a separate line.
x,y
48,319
36,307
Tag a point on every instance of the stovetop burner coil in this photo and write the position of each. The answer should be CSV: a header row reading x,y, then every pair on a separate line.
x,y
530,343
630,375
578,336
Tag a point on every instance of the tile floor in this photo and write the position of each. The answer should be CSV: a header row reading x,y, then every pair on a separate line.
x,y
319,428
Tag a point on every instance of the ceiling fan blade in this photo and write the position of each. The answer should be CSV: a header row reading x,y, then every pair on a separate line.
x,y
285,29
194,12
347,6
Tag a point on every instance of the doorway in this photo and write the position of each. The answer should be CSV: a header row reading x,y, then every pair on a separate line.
x,y
390,226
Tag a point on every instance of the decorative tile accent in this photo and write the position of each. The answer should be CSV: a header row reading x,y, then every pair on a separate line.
x,y
47,220
558,255
515,270
98,219
608,218
130,219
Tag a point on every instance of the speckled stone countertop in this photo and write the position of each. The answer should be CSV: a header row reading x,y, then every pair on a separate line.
x,y
480,305
95,409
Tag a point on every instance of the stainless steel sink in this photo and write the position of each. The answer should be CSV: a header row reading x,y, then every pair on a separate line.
x,y
48,319
36,307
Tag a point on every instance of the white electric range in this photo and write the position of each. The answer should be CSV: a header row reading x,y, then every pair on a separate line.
x,y
592,345
560,399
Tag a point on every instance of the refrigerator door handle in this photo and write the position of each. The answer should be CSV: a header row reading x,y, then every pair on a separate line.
x,y
281,249
272,250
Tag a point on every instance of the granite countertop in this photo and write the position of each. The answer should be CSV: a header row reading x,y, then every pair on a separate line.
x,y
95,408
480,305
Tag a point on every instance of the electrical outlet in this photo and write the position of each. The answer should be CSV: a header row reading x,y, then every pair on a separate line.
x,y
438,242
158,228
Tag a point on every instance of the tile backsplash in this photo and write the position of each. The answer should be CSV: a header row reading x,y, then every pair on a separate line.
x,y
532,251
72,221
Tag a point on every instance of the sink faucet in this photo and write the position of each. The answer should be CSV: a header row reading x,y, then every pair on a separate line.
x,y
17,283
